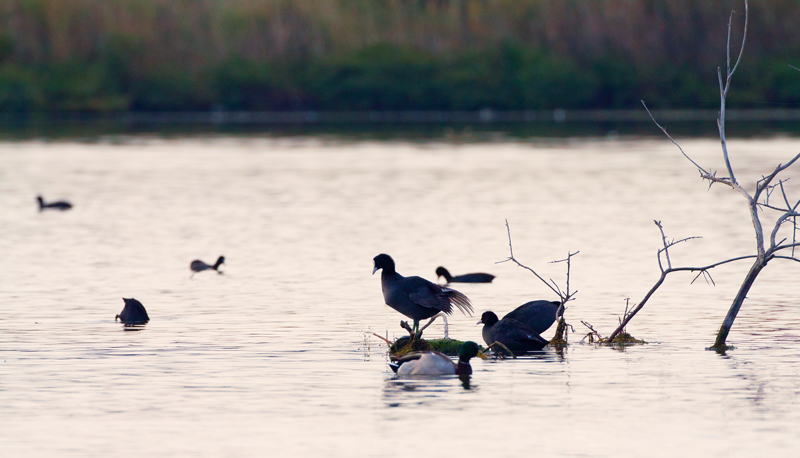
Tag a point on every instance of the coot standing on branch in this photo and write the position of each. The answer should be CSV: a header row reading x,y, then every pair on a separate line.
x,y
58,205
199,266
416,297
466,278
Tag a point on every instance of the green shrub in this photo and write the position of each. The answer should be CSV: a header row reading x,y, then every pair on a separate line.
x,y
77,86
249,85
20,90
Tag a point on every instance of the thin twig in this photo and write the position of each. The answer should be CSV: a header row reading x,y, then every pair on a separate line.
x,y
702,170
561,328
503,346
512,258
724,87
383,339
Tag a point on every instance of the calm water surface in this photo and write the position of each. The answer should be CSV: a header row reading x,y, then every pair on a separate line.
x,y
275,358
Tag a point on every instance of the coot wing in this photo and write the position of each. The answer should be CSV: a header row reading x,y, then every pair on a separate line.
x,y
429,295
537,315
515,332
473,278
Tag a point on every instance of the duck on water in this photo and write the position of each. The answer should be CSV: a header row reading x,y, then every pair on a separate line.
x,y
416,297
132,313
435,363
199,266
466,278
57,205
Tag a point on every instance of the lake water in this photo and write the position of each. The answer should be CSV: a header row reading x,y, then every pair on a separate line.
x,y
276,358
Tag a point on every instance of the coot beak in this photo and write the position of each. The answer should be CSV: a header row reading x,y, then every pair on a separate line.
x,y
481,355
374,270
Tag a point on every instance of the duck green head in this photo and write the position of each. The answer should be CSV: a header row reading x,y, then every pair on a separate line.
x,y
469,350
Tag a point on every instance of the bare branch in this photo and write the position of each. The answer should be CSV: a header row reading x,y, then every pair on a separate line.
x,y
764,182
383,339
668,245
591,334
562,326
723,90
664,272
777,227
710,266
638,307
707,276
658,284
783,247
512,258
703,171
744,37
785,197
770,207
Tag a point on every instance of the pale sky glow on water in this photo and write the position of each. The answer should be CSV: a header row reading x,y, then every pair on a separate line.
x,y
275,358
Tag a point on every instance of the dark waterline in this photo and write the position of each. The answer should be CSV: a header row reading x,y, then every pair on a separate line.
x,y
481,126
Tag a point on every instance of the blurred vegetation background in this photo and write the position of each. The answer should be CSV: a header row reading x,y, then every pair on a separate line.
x,y
176,55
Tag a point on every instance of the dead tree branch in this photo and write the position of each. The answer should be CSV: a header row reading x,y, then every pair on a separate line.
x,y
666,271
564,296
762,191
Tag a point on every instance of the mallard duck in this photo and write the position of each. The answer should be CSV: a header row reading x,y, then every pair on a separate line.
x,y
59,205
466,278
199,266
519,330
132,313
416,297
435,363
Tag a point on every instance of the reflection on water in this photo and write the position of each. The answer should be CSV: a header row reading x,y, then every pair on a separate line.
x,y
277,355
427,389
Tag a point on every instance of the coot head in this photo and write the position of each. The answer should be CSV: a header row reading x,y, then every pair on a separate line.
x,y
385,262
488,318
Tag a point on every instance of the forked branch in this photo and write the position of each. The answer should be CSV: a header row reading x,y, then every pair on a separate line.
x,y
703,270
564,296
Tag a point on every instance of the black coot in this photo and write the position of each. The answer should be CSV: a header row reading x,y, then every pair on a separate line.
x,y
538,315
466,278
416,297
133,312
199,266
520,329
58,205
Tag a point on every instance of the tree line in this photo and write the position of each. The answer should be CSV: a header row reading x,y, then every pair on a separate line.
x,y
174,55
